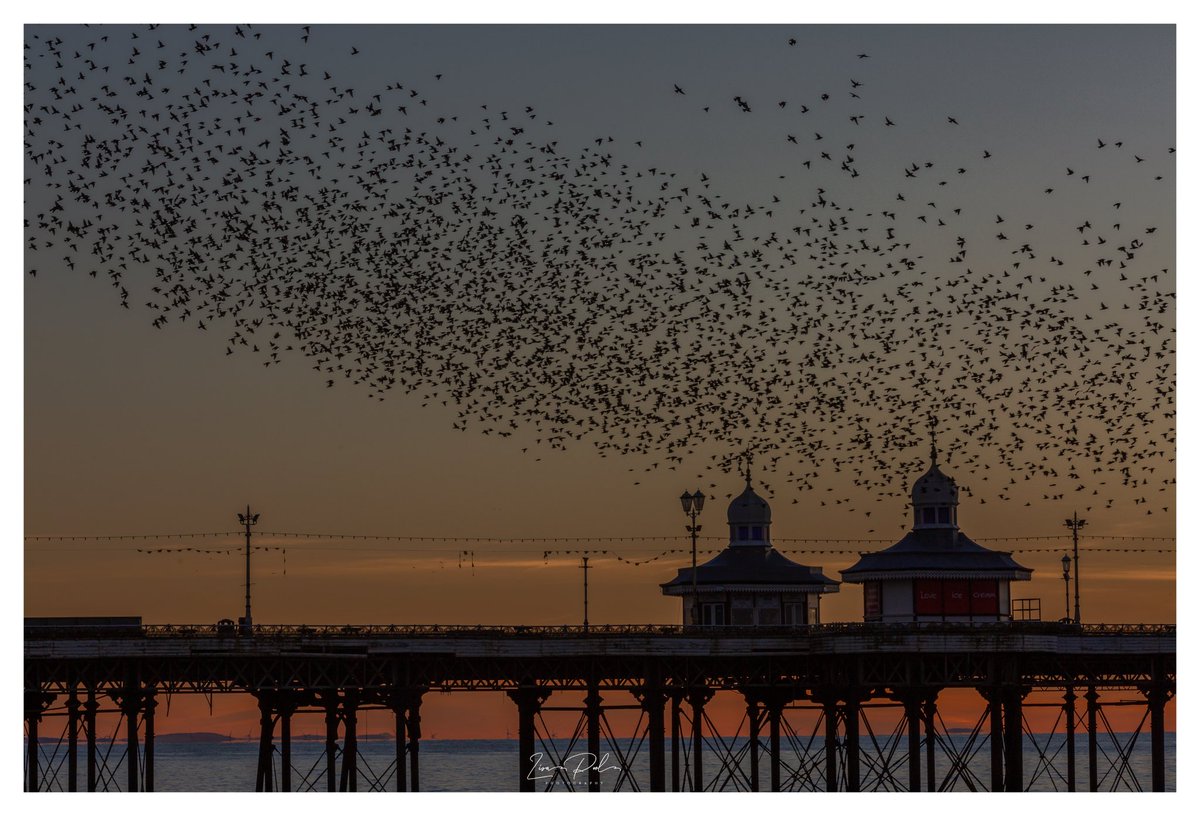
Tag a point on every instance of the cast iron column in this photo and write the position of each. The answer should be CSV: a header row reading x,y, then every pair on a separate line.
x,y
774,714
851,712
752,715
266,727
73,740
676,748
529,701
149,704
912,714
591,705
831,738
1013,743
1093,706
996,737
652,699
698,697
1069,712
414,741
1156,698
89,725
928,713
331,729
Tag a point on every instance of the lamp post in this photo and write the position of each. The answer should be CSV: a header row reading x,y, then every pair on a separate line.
x,y
1066,562
249,521
585,569
1075,524
693,503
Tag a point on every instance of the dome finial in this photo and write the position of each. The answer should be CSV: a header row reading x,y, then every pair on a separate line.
x,y
749,463
933,441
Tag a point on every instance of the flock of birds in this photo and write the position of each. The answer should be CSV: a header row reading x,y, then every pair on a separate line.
x,y
228,181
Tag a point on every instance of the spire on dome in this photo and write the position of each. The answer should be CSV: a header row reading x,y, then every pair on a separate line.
x,y
749,464
933,442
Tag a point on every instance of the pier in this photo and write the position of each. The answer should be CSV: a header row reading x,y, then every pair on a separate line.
x,y
812,696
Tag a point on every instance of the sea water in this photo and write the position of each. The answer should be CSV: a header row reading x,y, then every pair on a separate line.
x,y
492,765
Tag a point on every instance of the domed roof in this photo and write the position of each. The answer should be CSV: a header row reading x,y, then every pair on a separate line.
x,y
934,487
749,508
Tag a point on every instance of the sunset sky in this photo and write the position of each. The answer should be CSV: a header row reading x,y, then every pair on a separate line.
x,y
131,429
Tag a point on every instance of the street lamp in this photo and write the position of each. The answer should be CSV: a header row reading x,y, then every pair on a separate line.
x,y
1075,524
1066,562
693,503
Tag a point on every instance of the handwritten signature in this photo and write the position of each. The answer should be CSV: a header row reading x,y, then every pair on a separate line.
x,y
574,765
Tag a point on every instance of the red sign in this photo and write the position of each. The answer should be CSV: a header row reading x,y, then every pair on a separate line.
x,y
927,596
872,606
985,598
957,597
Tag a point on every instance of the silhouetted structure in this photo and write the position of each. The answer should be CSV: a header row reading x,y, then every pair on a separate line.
x,y
750,583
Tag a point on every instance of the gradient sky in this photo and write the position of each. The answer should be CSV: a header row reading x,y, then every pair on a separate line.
x,y
131,429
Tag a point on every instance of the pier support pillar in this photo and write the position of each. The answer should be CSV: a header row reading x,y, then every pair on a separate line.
x,y
414,741
676,738
1014,778
698,697
286,706
1093,708
850,715
73,740
266,726
349,781
89,726
774,715
331,732
830,708
753,717
928,715
36,703
149,703
129,701
995,735
912,716
1156,699
1069,728
398,703
653,698
591,708
529,700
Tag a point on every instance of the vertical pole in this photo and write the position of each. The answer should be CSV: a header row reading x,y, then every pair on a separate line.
x,y
331,729
130,705
286,709
266,723
402,736
699,697
1156,698
996,734
89,725
247,625
676,702
1093,706
32,715
414,741
831,737
591,705
73,740
694,530
529,700
148,751
653,700
1069,713
928,712
853,783
912,713
585,593
752,716
774,714
1013,742
350,743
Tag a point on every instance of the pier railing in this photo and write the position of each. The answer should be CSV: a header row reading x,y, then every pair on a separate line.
x,y
225,629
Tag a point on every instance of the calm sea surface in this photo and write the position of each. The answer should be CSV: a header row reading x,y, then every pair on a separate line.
x,y
491,765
